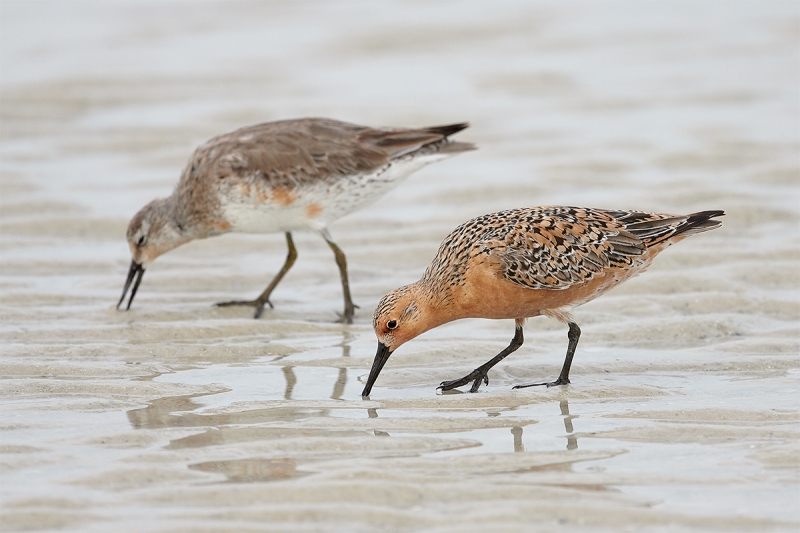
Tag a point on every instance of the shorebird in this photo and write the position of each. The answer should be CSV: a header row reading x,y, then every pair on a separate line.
x,y
282,177
523,263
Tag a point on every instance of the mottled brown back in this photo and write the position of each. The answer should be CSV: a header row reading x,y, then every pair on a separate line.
x,y
294,153
560,247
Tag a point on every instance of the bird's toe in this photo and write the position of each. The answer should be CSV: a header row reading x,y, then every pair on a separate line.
x,y
559,381
345,318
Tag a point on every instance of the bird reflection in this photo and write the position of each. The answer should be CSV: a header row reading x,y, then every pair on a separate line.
x,y
572,440
517,432
338,387
373,413
341,381
346,338
291,381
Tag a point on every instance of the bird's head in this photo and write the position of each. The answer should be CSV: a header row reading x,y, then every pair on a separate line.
x,y
154,231
151,232
400,316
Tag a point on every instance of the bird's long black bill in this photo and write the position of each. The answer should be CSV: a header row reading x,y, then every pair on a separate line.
x,y
135,269
377,365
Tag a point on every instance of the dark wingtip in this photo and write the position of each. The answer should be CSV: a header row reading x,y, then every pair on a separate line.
x,y
448,129
700,222
702,216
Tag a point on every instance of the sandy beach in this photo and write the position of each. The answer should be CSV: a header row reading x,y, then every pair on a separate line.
x,y
177,416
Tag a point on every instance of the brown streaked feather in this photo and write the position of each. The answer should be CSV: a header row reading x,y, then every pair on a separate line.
x,y
294,153
557,248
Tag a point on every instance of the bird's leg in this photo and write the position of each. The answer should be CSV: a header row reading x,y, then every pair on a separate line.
x,y
574,335
259,302
341,262
479,374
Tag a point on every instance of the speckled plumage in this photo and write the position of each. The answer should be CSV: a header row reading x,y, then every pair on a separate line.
x,y
527,262
281,177
553,247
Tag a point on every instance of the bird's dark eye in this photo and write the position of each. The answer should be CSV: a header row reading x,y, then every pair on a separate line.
x,y
140,241
391,324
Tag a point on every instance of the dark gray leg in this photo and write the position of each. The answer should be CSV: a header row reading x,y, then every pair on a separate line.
x,y
341,262
259,302
574,335
479,374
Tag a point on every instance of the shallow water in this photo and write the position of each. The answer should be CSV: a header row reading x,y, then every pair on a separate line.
x,y
683,414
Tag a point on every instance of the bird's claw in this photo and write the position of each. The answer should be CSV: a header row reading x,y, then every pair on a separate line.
x,y
258,304
347,316
344,318
475,376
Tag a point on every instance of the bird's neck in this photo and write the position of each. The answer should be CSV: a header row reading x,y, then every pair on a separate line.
x,y
174,212
437,303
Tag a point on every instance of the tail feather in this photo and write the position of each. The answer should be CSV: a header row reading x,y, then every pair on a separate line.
x,y
700,222
447,146
665,227
400,142
447,130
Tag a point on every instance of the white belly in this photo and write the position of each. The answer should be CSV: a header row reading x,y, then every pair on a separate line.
x,y
313,207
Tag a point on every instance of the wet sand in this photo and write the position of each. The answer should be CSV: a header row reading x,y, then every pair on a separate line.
x,y
683,414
